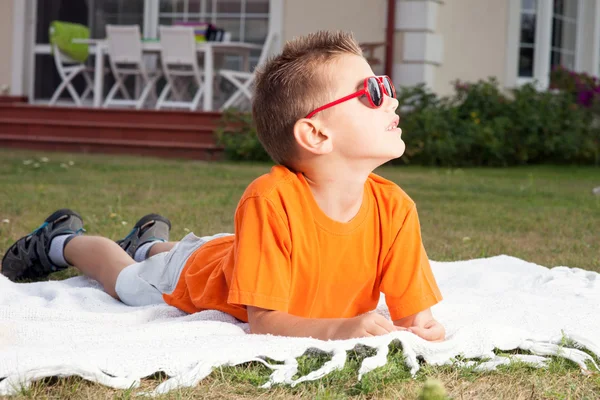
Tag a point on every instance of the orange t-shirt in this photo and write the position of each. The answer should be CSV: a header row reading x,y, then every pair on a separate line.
x,y
288,255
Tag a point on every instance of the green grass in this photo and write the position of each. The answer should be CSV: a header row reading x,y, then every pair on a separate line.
x,y
547,215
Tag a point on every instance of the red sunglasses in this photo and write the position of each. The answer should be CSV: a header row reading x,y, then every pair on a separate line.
x,y
374,88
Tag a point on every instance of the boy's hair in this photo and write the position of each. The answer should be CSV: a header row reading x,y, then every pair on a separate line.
x,y
292,84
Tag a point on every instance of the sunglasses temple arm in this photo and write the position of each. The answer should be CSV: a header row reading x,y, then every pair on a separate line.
x,y
333,103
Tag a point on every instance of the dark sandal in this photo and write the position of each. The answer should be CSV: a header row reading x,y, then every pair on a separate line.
x,y
28,257
149,228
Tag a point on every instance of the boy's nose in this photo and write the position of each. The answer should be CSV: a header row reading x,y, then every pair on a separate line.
x,y
391,103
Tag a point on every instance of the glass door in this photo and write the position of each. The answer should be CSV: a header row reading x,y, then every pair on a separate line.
x,y
95,14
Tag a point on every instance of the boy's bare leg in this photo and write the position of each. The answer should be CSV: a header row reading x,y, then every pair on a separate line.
x,y
98,258
161,247
102,259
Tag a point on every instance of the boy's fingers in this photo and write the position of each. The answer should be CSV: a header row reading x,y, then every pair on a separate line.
x,y
377,330
427,334
385,324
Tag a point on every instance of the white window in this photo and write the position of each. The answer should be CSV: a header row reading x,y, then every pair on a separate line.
x,y
244,20
549,35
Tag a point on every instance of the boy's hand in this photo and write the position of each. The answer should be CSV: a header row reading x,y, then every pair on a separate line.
x,y
371,324
423,325
432,331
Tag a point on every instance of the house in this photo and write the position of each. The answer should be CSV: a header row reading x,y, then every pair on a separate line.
x,y
432,41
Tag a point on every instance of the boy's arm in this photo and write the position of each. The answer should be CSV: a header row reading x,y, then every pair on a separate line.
x,y
424,325
408,282
279,323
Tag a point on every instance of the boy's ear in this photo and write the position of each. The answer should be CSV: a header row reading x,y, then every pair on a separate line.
x,y
311,136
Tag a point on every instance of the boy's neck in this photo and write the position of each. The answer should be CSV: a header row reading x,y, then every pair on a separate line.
x,y
338,194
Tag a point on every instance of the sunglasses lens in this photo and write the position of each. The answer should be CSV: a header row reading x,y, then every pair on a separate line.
x,y
375,91
389,87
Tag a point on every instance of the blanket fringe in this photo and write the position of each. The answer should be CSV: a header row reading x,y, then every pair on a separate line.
x,y
337,362
551,349
20,381
492,364
376,361
189,378
583,342
282,373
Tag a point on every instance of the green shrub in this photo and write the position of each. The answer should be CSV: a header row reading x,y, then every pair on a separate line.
x,y
237,134
584,88
481,125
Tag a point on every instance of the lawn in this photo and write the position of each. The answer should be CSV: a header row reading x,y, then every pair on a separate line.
x,y
547,215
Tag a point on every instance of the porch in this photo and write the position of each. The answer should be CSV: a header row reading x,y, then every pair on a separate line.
x,y
176,134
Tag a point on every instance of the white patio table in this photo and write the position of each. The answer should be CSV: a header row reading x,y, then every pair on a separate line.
x,y
98,47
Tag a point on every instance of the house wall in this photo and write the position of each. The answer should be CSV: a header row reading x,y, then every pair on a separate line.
x,y
474,34
6,36
366,20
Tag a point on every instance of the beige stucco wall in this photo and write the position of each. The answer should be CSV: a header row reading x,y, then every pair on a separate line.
x,y
6,32
366,19
474,39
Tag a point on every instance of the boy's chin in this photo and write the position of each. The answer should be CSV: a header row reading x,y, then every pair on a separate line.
x,y
397,152
391,156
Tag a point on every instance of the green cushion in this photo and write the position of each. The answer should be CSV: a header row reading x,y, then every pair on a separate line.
x,y
62,33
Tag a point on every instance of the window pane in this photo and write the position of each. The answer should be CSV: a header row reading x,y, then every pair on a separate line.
x,y
230,25
557,32
165,21
229,6
75,11
257,6
196,7
210,5
256,30
528,5
571,8
171,6
117,12
559,6
46,77
559,58
526,62
555,58
569,36
232,62
527,28
568,61
566,8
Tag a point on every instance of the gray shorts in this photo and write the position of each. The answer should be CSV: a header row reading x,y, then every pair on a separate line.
x,y
144,283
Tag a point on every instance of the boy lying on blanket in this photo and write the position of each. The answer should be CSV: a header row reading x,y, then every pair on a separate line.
x,y
316,239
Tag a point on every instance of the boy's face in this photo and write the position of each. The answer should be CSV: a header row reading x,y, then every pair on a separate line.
x,y
358,131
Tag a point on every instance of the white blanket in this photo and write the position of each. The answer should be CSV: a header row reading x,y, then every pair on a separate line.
x,y
73,328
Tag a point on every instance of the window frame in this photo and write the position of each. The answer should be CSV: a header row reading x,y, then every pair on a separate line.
x,y
543,42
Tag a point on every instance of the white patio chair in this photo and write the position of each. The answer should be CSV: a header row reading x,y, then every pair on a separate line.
x,y
125,59
243,80
180,66
68,69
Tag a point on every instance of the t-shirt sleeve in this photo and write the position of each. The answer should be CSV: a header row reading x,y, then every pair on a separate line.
x,y
262,267
407,280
